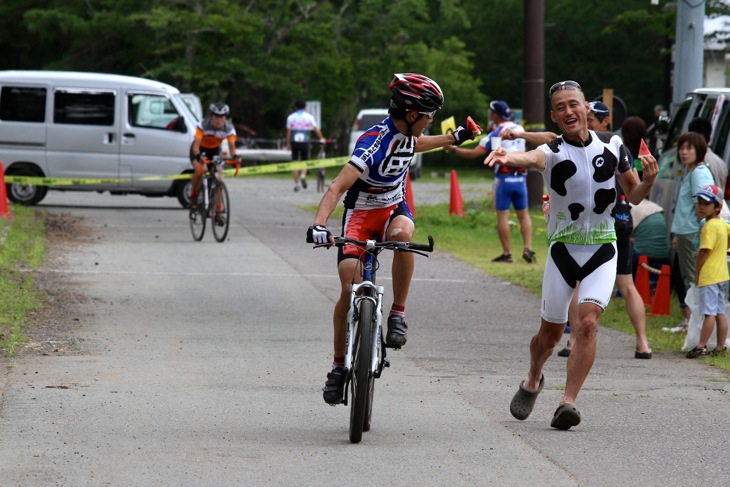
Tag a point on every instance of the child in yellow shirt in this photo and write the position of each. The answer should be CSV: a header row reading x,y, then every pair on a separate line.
x,y
711,271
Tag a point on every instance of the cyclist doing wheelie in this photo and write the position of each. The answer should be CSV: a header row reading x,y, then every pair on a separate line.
x,y
374,181
209,135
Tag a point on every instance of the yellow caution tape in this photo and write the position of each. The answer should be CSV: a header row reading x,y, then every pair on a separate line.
x,y
271,168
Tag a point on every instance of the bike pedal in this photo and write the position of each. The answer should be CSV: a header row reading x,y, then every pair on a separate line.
x,y
386,363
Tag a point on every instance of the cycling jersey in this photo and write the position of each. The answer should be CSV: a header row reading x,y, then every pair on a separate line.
x,y
581,179
210,138
382,155
508,145
300,123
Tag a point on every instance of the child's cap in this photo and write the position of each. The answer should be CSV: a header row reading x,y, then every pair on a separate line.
x,y
710,193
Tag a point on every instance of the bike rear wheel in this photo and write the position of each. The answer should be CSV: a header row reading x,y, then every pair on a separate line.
x,y
197,220
221,215
361,374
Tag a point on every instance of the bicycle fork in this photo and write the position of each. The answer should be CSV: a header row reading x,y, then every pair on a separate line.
x,y
374,293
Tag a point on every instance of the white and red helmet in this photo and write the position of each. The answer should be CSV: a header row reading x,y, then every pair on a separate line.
x,y
415,92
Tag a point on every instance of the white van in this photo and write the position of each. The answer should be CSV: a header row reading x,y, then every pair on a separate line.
x,y
90,126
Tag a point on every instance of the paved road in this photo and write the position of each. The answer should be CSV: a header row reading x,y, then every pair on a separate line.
x,y
202,364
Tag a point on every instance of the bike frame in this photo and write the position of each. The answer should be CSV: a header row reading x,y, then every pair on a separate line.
x,y
374,293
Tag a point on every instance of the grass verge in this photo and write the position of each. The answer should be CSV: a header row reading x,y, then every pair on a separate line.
x,y
473,239
22,249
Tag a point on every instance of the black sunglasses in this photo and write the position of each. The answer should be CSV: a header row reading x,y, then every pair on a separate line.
x,y
564,85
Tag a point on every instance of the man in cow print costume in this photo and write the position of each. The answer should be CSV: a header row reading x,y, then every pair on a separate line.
x,y
374,185
581,169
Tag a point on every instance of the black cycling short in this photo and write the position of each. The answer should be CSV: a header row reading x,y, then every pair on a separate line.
x,y
209,153
300,151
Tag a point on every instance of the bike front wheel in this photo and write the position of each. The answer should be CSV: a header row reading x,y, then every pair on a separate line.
x,y
361,373
197,220
222,212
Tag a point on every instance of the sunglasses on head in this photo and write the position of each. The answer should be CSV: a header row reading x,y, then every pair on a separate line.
x,y
564,85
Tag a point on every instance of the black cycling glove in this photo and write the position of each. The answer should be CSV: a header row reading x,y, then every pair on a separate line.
x,y
318,234
461,135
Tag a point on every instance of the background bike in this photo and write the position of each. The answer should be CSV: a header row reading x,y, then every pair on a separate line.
x,y
212,202
365,355
322,154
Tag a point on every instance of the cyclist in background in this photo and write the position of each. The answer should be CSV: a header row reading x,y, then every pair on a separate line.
x,y
299,124
209,135
375,204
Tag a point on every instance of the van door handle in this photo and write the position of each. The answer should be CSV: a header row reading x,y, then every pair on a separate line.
x,y
128,138
109,138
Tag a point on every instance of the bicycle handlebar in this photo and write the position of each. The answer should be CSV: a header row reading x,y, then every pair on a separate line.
x,y
390,245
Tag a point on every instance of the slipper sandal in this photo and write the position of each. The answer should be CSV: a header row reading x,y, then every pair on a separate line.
x,y
642,355
565,417
524,400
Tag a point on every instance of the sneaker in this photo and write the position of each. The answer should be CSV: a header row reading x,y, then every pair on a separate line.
x,y
304,183
697,352
503,258
397,330
334,388
529,256
220,219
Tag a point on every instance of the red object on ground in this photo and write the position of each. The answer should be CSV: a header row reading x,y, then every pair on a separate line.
x,y
660,305
4,211
409,195
643,149
642,280
457,204
472,125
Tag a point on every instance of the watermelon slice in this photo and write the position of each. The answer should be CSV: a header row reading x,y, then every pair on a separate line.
x,y
471,125
643,149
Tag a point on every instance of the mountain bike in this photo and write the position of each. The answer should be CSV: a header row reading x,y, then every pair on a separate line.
x,y
213,202
365,355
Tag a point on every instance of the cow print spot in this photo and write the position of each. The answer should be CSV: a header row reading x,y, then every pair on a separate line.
x,y
604,197
562,171
575,210
604,166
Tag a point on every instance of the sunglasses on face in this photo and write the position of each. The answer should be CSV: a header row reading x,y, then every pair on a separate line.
x,y
564,85
429,115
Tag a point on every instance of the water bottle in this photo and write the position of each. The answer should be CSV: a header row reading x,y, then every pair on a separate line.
x,y
546,207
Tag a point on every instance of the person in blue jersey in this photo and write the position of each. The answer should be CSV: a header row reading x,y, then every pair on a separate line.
x,y
581,169
373,183
510,183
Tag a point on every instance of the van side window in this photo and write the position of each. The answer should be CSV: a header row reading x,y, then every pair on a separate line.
x,y
153,112
83,107
23,104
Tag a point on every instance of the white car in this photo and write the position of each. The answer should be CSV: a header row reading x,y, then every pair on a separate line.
x,y
365,119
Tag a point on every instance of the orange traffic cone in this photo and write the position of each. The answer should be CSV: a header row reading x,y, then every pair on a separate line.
x,y
409,195
660,305
642,280
4,211
457,204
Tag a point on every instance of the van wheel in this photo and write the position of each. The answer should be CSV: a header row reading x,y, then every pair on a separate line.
x,y
182,191
25,194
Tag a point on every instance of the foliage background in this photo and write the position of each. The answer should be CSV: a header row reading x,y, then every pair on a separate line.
x,y
260,55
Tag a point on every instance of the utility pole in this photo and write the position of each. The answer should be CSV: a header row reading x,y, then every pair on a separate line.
x,y
533,78
533,85
688,49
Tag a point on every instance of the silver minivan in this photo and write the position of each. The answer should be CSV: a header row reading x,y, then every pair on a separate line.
x,y
93,132
712,104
